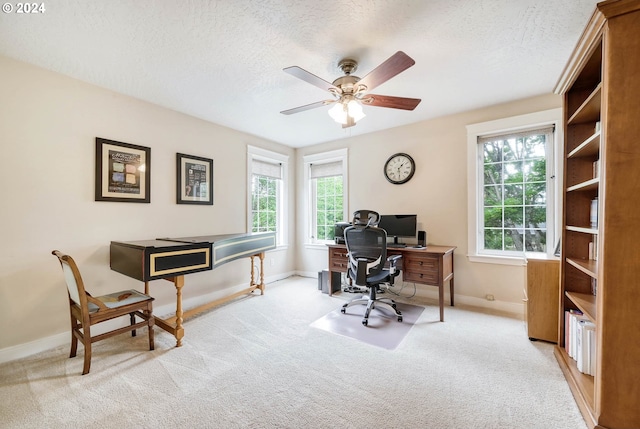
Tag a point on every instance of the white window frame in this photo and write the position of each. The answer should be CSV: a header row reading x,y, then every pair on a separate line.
x,y
475,180
282,236
323,158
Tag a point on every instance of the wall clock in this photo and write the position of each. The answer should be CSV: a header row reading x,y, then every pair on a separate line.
x,y
399,168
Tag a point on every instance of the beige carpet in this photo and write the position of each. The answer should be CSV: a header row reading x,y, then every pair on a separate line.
x,y
257,363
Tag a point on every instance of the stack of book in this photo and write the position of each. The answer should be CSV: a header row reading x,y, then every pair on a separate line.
x,y
580,341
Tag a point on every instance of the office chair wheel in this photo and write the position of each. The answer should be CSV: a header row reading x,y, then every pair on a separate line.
x,y
365,322
343,310
399,318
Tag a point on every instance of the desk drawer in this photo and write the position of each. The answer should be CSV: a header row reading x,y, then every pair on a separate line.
x,y
421,269
338,260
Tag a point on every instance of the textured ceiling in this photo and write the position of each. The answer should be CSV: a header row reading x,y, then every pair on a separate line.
x,y
222,60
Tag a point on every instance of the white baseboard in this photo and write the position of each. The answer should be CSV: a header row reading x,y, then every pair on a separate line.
x,y
33,347
310,274
512,308
27,349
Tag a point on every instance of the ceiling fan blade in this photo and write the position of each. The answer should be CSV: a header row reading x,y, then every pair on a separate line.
x,y
396,64
390,101
307,107
312,79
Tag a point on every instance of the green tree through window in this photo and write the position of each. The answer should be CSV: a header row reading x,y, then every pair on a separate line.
x,y
264,203
326,181
515,193
329,206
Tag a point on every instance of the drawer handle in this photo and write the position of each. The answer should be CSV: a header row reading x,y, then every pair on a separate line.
x,y
420,262
421,275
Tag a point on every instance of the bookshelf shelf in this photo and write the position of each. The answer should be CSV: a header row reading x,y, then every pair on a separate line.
x,y
589,147
587,266
589,111
582,383
585,303
589,185
584,230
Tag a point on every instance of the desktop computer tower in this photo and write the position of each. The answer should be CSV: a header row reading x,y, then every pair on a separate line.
x,y
325,281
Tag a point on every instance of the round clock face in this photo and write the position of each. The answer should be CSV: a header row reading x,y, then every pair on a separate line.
x,y
399,168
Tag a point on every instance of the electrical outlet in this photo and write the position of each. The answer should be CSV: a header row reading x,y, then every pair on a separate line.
x,y
272,262
490,297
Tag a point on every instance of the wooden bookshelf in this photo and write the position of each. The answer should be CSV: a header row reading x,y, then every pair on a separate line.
x,y
601,89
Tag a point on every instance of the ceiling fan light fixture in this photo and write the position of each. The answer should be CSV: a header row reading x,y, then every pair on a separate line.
x,y
355,110
339,113
344,109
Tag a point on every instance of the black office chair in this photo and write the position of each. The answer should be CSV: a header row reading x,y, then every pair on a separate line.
x,y
367,253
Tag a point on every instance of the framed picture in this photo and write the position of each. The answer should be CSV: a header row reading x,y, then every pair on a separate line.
x,y
195,180
123,172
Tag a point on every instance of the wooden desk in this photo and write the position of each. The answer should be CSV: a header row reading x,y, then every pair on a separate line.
x,y
171,258
432,265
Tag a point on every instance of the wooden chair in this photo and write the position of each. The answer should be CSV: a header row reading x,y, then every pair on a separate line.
x,y
87,310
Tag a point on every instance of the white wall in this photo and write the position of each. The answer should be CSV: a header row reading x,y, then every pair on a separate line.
x,y
48,126
437,193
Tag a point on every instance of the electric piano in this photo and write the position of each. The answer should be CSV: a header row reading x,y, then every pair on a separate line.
x,y
172,258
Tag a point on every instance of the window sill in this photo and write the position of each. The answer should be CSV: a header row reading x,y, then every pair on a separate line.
x,y
541,257
318,246
500,260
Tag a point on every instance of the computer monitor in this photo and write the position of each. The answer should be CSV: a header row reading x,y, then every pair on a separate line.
x,y
338,231
399,226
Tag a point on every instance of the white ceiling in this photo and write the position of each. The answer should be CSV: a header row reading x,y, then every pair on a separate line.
x,y
222,60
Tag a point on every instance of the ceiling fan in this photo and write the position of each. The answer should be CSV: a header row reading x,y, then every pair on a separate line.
x,y
350,92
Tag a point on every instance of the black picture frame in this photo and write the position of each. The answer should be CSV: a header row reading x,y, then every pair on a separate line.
x,y
194,180
123,172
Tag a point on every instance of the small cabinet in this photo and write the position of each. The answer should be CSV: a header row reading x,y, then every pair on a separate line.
x,y
542,288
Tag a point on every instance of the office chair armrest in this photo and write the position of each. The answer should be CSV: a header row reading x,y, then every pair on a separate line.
x,y
393,261
361,274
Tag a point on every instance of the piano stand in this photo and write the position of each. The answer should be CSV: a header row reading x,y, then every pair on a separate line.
x,y
173,325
